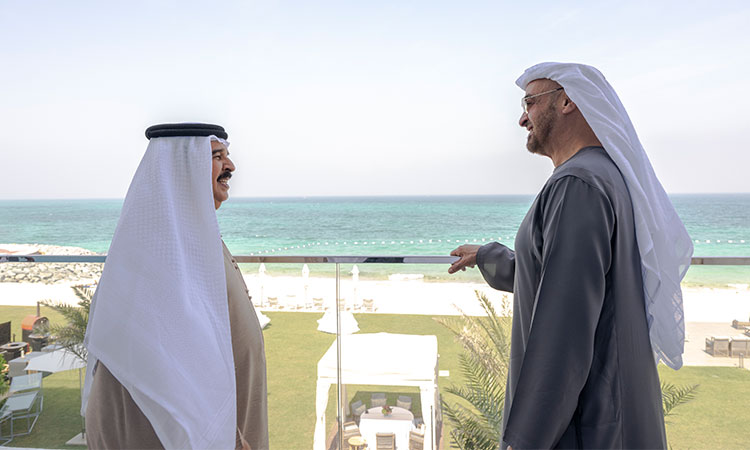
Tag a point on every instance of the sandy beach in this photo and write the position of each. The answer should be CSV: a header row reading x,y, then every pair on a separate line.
x,y
708,311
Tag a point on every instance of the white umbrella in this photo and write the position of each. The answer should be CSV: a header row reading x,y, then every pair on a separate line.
x,y
355,284
261,278
56,361
306,281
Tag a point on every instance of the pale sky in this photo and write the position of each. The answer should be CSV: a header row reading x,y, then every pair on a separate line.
x,y
359,98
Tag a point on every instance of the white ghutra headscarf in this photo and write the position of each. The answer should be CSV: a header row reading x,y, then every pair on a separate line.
x,y
159,319
663,241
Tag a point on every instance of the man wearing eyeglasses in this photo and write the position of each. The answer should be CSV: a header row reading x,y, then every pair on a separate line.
x,y
595,274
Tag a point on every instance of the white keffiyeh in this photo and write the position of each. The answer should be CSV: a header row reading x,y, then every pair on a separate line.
x,y
663,242
159,320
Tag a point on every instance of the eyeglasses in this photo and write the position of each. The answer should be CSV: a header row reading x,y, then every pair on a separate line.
x,y
525,100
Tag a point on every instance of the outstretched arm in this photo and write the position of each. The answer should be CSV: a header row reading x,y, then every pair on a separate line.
x,y
496,262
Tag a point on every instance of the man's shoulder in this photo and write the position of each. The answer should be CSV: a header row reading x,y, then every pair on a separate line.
x,y
593,166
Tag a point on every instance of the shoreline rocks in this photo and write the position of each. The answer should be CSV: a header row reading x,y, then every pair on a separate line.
x,y
50,273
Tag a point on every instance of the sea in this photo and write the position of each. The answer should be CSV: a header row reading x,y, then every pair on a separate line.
x,y
719,225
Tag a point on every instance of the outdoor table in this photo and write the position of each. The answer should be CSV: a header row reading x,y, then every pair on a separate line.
x,y
14,348
399,422
26,382
22,406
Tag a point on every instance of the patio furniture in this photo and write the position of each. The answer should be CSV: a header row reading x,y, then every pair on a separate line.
x,y
273,302
17,367
739,345
350,430
29,382
416,441
292,303
318,303
368,305
717,345
357,443
378,399
399,422
14,349
357,409
385,441
27,405
5,419
404,401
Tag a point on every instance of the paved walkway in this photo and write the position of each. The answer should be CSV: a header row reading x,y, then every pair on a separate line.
x,y
695,344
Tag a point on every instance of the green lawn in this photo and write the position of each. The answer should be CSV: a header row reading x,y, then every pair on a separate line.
x,y
717,418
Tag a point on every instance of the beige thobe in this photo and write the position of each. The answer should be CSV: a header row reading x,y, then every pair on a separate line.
x,y
113,420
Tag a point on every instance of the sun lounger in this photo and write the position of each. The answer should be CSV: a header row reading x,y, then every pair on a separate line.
x,y
29,382
27,405
368,305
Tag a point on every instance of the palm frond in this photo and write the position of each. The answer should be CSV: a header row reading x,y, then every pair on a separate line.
x,y
476,415
673,396
71,334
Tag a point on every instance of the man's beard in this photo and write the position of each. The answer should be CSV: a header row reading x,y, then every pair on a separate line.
x,y
540,133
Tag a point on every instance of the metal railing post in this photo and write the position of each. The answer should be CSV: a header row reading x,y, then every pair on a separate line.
x,y
339,386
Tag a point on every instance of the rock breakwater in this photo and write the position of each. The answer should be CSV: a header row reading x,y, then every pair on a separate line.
x,y
48,273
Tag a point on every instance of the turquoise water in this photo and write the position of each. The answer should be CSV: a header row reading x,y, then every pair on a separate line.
x,y
718,223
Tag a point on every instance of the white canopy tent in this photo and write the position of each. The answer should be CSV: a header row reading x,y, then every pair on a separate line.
x,y
382,359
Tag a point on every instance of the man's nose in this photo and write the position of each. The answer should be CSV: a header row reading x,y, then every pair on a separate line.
x,y
229,165
524,118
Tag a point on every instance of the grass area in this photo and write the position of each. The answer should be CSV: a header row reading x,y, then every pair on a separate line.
x,y
717,418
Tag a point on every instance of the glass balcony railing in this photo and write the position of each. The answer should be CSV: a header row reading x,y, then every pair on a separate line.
x,y
361,345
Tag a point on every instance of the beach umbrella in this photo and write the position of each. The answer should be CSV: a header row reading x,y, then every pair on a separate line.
x,y
306,281
56,361
355,284
261,279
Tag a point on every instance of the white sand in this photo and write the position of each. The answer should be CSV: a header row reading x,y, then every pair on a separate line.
x,y
401,297
708,311
27,294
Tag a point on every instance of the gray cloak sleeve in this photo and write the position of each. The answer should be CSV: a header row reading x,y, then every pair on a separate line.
x,y
497,263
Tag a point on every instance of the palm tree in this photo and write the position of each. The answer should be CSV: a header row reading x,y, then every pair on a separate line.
x,y
70,335
477,419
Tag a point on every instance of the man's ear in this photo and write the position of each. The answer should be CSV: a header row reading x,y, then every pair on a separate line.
x,y
568,106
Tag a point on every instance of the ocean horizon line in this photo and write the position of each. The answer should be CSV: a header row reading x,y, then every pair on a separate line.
x,y
363,197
